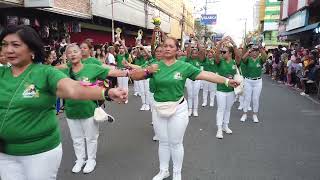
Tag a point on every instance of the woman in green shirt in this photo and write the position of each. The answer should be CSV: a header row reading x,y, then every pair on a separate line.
x,y
169,79
122,56
193,86
80,113
209,87
29,131
253,81
227,59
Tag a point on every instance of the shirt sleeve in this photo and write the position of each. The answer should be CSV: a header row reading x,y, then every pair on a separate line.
x,y
102,72
192,71
53,78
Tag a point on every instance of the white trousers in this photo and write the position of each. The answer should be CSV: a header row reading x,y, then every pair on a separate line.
x,y
123,82
193,88
170,132
252,90
136,86
33,167
84,130
144,91
225,101
209,87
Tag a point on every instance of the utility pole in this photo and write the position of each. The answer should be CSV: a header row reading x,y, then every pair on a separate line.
x,y
182,24
112,20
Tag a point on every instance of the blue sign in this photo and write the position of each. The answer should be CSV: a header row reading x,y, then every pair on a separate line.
x,y
209,19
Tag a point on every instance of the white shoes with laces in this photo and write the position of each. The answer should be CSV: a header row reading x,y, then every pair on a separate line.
x,y
219,134
195,113
161,175
255,118
227,130
243,118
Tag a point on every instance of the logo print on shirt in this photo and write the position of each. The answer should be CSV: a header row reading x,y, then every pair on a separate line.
x,y
30,92
234,67
85,79
258,65
177,76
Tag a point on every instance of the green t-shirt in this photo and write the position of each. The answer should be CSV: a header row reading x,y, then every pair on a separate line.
x,y
91,60
169,81
254,68
195,62
243,69
227,70
31,125
210,65
183,58
83,109
119,58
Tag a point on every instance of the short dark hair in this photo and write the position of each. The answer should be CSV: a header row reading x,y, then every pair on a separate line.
x,y
30,37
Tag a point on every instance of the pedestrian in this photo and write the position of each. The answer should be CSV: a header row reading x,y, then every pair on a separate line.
x,y
83,128
30,145
254,60
226,66
169,77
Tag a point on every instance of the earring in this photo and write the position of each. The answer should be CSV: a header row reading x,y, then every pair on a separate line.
x,y
32,56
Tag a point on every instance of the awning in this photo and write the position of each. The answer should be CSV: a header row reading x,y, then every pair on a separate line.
x,y
303,29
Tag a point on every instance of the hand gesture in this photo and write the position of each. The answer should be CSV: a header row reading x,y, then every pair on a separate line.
x,y
233,83
119,95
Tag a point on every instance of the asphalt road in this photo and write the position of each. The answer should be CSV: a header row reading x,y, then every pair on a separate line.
x,y
283,146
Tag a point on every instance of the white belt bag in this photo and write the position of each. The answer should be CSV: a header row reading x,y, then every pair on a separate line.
x,y
167,109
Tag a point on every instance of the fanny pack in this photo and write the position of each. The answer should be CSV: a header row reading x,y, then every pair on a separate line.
x,y
167,109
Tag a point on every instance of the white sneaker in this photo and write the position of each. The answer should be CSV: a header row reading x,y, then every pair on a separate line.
x,y
189,112
211,104
249,108
219,134
143,107
90,166
204,104
176,176
240,108
161,175
255,118
126,102
227,130
155,138
243,118
78,166
147,107
195,113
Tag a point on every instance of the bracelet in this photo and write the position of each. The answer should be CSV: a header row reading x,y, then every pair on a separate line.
x,y
226,82
147,74
106,94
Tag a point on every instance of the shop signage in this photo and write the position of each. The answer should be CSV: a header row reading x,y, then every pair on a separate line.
x,y
39,3
271,26
209,19
297,20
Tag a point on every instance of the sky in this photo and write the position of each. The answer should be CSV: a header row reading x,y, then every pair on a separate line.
x,y
231,16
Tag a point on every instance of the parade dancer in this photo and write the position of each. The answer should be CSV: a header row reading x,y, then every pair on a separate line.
x,y
83,128
208,87
193,86
169,77
226,66
253,81
30,145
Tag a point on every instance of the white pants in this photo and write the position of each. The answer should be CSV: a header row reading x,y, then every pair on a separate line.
x,y
170,132
136,86
84,130
209,87
123,82
33,167
193,88
252,90
225,101
144,91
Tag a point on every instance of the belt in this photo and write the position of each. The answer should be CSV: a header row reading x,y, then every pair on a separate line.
x,y
181,101
256,78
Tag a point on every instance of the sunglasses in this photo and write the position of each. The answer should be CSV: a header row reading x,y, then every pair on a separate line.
x,y
223,52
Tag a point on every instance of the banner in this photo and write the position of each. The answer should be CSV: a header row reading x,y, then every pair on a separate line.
x,y
209,19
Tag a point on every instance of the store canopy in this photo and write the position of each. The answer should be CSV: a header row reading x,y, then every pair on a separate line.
x,y
303,29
